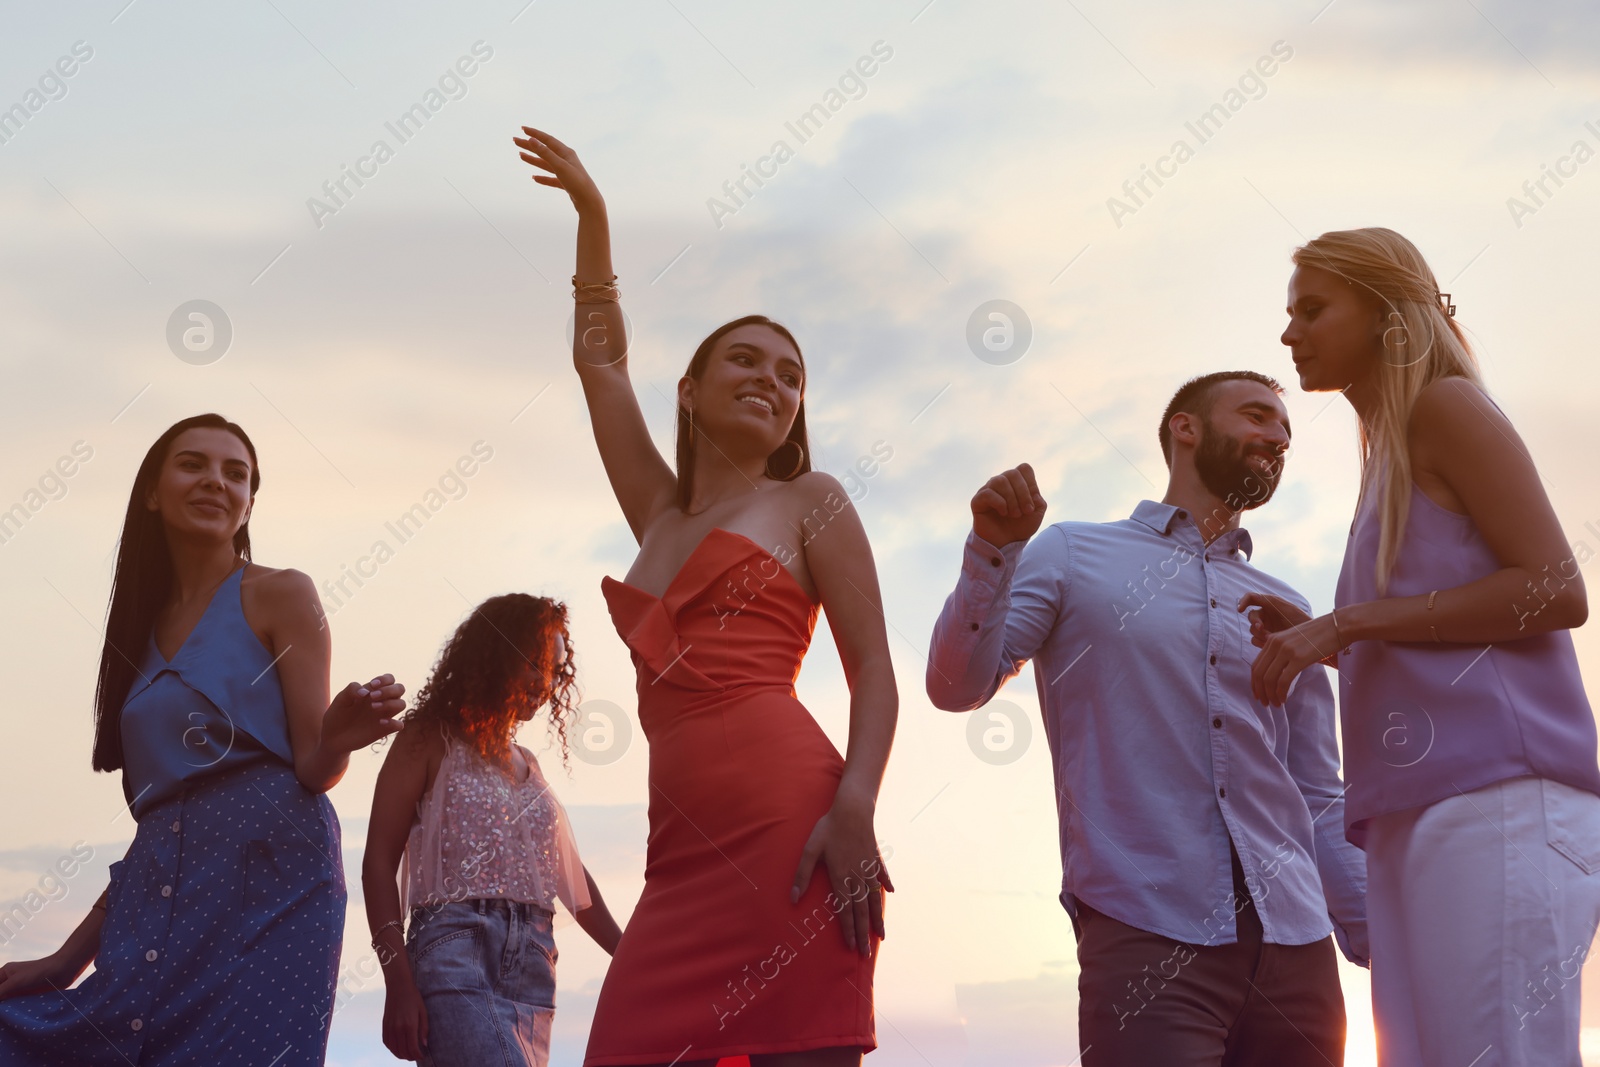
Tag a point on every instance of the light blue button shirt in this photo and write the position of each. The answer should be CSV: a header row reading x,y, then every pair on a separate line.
x,y
1161,754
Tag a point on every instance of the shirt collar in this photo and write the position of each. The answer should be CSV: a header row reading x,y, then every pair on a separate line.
x,y
1160,517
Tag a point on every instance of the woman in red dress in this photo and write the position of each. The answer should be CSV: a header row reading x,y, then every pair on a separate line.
x,y
734,948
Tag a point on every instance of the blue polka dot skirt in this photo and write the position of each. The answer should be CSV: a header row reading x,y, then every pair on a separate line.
x,y
221,938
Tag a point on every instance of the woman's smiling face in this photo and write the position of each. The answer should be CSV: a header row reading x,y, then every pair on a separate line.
x,y
752,383
203,488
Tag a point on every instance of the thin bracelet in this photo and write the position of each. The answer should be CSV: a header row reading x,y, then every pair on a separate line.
x,y
1337,640
1431,630
392,922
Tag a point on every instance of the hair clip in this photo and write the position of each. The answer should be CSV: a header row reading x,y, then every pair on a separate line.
x,y
1444,298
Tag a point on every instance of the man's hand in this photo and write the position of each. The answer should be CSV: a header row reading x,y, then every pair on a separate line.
x,y
1008,508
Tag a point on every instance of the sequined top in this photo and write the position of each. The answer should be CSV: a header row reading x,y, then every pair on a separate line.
x,y
478,833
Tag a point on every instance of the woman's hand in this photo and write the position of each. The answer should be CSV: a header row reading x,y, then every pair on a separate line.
x,y
1288,652
1275,614
405,1019
361,714
22,977
565,172
843,840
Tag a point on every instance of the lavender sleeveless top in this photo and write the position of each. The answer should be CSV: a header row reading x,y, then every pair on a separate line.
x,y
479,834
1422,721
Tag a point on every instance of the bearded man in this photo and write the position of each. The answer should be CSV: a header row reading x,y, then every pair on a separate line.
x,y
1203,856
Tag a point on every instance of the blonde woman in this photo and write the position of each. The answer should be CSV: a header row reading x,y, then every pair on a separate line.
x,y
1469,743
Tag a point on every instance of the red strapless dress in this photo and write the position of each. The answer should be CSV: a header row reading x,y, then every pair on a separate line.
x,y
715,961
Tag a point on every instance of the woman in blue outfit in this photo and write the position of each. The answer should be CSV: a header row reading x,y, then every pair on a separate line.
x,y
217,939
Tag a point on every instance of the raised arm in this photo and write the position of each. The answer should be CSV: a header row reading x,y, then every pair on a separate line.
x,y
640,478
1006,601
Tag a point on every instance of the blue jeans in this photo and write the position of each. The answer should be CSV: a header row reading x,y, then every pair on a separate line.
x,y
486,970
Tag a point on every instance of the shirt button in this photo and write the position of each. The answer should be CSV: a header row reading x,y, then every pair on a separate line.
x,y
974,625
150,957
176,825
1213,659
1217,722
166,890
1223,792
137,1025
1213,601
996,560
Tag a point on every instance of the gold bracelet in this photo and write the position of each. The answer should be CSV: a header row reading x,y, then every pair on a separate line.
x,y
600,292
1431,630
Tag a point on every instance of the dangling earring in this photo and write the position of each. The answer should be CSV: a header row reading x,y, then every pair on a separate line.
x,y
800,459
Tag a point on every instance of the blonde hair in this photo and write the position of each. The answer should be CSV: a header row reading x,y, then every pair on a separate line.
x,y
1421,344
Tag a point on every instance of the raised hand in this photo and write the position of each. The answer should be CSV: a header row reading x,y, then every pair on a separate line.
x,y
541,150
1008,508
361,714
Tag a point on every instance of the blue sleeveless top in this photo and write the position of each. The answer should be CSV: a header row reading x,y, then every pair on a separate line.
x,y
214,706
1426,720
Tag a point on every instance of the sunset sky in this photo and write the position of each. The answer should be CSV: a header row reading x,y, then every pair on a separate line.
x,y
393,309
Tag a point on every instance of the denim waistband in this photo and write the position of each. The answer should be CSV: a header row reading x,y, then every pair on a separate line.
x,y
484,905
524,909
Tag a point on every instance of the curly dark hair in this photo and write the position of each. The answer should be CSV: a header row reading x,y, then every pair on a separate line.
x,y
476,691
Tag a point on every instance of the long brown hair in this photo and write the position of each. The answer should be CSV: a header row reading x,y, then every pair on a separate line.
x,y
473,693
142,583
687,438
1421,344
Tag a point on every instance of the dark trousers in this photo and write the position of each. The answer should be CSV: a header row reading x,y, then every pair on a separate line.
x,y
1147,1001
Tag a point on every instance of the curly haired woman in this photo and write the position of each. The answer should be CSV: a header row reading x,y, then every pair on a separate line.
x,y
487,847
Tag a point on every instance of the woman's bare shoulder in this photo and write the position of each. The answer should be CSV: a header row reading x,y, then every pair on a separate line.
x,y
278,583
418,743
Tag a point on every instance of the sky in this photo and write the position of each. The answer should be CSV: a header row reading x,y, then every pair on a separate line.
x,y
369,336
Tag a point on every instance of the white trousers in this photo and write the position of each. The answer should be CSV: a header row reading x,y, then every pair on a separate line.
x,y
1481,909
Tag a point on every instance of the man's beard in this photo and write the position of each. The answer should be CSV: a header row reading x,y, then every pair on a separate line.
x,y
1225,469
